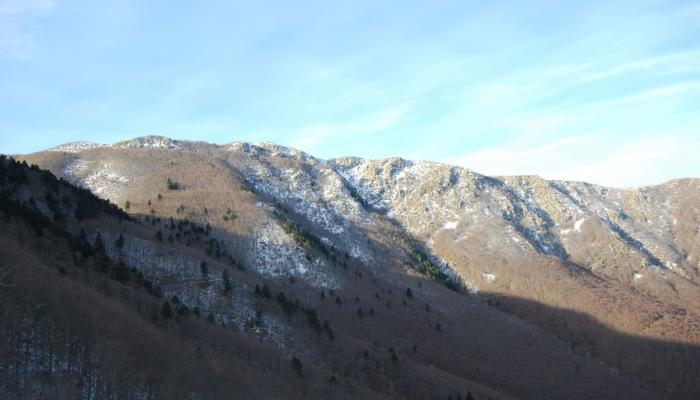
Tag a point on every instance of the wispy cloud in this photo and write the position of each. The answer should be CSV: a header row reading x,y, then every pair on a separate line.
x,y
15,38
595,158
637,162
311,136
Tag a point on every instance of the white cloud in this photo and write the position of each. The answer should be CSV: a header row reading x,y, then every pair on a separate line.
x,y
593,158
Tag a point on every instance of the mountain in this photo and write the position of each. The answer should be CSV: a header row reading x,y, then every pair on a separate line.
x,y
391,278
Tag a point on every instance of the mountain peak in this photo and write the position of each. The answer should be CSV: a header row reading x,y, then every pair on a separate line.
x,y
150,141
76,147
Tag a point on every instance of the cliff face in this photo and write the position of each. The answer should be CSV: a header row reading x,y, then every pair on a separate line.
x,y
626,259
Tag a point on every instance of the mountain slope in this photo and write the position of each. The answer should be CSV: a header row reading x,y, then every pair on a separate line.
x,y
594,275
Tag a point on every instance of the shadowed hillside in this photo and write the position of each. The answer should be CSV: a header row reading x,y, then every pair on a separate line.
x,y
305,258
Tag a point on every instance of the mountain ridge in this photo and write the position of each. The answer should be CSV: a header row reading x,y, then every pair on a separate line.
x,y
626,259
160,141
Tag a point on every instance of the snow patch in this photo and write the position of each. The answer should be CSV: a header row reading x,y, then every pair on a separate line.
x,y
277,255
264,205
489,278
154,142
77,147
105,182
451,225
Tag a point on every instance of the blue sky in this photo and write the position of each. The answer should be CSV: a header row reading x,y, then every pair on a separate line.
x,y
607,92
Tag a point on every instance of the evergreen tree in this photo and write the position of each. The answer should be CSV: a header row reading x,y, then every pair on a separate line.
x,y
99,245
120,242
166,311
296,366
172,185
204,269
127,205
227,281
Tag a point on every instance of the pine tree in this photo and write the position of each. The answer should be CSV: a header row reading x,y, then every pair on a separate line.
x,y
166,311
127,205
227,281
296,365
119,243
99,245
172,185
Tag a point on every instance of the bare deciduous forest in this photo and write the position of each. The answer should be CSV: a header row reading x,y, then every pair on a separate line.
x,y
166,297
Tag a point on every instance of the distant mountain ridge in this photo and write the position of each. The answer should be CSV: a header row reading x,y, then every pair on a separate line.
x,y
383,184
517,246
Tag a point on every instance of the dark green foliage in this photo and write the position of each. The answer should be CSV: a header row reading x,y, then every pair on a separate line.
x,y
127,205
55,208
119,243
264,292
211,319
328,330
288,306
3,170
312,319
297,367
99,245
166,311
90,206
355,195
204,269
215,248
159,235
227,280
28,212
172,185
409,294
81,244
258,318
180,307
121,273
14,172
428,268
301,236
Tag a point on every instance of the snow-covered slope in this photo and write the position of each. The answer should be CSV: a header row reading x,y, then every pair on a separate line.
x,y
518,213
